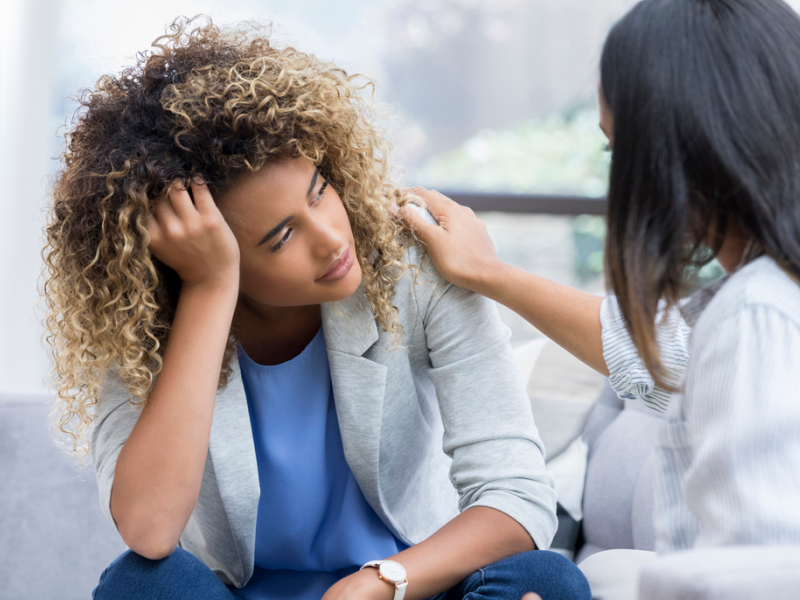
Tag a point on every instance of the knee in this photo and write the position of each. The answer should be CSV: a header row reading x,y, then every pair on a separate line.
x,y
548,574
133,576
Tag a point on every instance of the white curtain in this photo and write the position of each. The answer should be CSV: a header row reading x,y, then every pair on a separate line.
x,y
28,34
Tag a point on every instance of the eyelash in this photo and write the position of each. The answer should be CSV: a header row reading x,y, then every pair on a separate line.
x,y
285,237
321,191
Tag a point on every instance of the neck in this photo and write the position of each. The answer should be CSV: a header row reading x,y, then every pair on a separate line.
x,y
732,249
271,335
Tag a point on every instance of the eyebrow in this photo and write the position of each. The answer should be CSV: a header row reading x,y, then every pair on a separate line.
x,y
277,229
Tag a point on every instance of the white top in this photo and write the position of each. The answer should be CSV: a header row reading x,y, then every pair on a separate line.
x,y
728,453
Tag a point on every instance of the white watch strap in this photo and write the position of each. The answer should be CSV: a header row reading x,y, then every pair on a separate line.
x,y
400,590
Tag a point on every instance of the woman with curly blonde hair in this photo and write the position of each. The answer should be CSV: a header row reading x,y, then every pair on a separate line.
x,y
264,369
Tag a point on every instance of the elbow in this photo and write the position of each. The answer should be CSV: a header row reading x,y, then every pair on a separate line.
x,y
146,538
153,552
150,546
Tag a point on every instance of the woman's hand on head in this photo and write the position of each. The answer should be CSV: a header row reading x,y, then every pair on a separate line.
x,y
460,246
189,234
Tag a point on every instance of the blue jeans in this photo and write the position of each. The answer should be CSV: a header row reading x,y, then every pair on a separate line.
x,y
181,576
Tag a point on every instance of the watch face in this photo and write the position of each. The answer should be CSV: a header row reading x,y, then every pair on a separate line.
x,y
392,572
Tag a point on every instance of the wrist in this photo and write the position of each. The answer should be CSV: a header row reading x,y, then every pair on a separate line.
x,y
375,587
223,283
390,574
488,276
212,298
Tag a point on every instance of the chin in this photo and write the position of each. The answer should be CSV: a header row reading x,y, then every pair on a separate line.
x,y
348,285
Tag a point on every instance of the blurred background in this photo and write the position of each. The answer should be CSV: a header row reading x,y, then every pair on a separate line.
x,y
490,101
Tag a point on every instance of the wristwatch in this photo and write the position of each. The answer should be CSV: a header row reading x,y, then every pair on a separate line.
x,y
393,573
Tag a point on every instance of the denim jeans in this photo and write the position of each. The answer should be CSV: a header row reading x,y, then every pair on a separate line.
x,y
181,576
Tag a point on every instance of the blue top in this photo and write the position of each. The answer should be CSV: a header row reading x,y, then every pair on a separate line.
x,y
314,525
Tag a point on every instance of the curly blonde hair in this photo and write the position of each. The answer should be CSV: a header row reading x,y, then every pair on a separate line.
x,y
203,101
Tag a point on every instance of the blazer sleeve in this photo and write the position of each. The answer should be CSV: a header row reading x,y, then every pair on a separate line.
x,y
489,433
115,418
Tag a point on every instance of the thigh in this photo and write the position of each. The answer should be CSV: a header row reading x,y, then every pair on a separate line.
x,y
177,577
546,573
614,574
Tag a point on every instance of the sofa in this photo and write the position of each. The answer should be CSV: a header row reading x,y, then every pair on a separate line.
x,y
55,540
571,401
573,404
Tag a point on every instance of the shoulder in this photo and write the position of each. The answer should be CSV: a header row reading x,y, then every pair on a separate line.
x,y
114,416
421,278
112,393
760,288
420,285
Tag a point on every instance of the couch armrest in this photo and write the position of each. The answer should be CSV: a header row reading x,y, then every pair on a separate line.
x,y
729,573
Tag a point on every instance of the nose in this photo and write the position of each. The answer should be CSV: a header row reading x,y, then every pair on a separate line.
x,y
327,239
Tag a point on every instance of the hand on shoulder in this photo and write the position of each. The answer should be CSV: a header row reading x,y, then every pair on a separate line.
x,y
459,246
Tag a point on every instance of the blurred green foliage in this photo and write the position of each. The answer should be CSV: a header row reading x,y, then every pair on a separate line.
x,y
562,154
588,234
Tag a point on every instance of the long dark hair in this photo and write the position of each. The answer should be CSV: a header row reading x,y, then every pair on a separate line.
x,y
705,96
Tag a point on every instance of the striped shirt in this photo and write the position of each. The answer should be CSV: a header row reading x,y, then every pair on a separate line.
x,y
728,453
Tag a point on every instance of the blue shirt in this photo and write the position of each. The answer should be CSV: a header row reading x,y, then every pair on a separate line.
x,y
314,525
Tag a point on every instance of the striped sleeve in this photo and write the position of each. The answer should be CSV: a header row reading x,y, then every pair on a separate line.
x,y
628,374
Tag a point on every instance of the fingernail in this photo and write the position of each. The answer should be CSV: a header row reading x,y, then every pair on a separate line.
x,y
393,208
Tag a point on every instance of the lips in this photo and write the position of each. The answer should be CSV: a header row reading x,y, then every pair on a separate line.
x,y
340,267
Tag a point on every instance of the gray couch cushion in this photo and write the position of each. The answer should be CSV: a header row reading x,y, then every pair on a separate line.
x,y
728,573
562,391
618,496
56,542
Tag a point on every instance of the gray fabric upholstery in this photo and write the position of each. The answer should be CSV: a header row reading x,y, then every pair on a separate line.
x,y
618,496
614,574
729,573
562,391
607,408
55,541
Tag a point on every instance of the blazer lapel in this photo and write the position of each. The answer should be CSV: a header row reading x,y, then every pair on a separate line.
x,y
232,454
358,387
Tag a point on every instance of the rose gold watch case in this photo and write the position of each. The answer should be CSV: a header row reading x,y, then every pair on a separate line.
x,y
392,572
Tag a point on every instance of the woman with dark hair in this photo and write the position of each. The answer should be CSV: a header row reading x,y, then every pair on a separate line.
x,y
699,101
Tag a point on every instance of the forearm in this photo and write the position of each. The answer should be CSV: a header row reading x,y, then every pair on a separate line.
x,y
569,317
476,538
462,250
160,467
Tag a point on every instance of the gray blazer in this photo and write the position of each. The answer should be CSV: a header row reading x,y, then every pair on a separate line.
x,y
428,430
